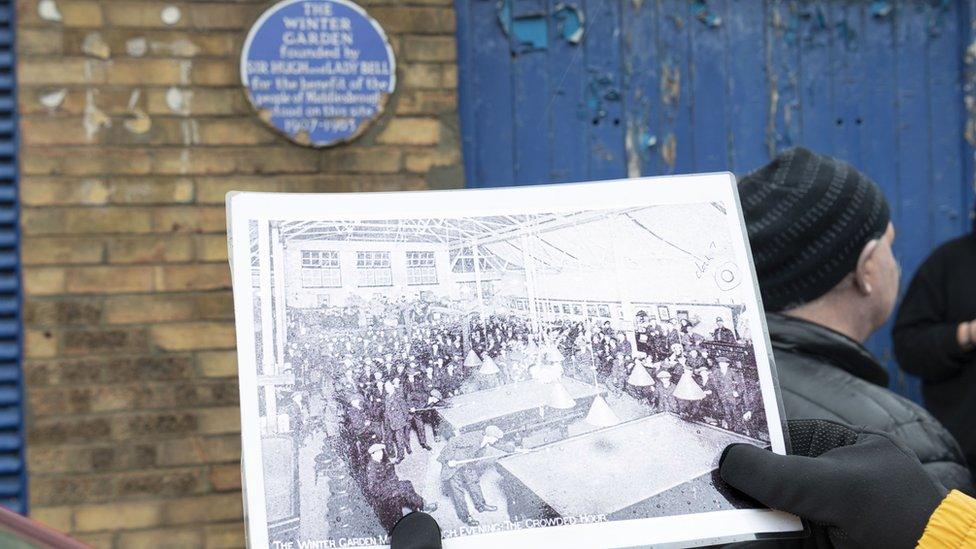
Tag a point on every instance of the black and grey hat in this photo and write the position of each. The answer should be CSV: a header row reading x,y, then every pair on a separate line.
x,y
809,216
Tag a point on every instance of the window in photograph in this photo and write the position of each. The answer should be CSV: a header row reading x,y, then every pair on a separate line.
x,y
567,309
421,268
374,268
466,265
320,269
591,310
605,311
462,261
488,289
663,312
577,309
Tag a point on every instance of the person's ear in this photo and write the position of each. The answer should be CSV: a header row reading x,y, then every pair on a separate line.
x,y
862,273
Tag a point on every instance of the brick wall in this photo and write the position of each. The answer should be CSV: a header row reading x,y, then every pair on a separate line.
x,y
133,130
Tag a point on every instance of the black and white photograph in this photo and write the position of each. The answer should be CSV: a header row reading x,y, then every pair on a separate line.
x,y
525,371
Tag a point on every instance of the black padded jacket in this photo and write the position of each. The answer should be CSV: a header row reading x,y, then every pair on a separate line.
x,y
826,375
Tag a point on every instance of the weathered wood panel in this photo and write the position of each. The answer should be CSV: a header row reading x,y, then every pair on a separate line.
x,y
556,90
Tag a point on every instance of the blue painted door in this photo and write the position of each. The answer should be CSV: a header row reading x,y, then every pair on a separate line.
x,y
13,476
574,90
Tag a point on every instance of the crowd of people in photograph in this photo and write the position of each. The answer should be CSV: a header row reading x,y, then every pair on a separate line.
x,y
708,376
379,370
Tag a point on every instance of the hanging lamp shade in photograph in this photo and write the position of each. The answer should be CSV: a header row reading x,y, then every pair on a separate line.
x,y
639,377
600,414
553,354
559,397
687,388
472,360
488,367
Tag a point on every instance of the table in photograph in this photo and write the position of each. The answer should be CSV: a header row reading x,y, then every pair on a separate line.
x,y
615,471
517,406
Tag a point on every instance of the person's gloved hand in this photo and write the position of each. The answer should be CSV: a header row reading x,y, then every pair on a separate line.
x,y
865,487
417,530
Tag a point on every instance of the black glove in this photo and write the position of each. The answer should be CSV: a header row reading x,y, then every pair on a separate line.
x,y
416,530
865,487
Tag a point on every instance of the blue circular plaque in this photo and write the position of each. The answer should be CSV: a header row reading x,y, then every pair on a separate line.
x,y
318,71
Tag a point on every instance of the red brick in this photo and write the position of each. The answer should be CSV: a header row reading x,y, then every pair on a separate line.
x,y
148,309
61,250
194,336
411,131
225,478
430,48
201,276
112,516
397,19
138,14
102,280
62,311
189,220
150,249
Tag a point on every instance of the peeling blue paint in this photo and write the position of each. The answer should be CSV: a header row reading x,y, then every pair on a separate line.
x,y
530,33
881,9
600,89
937,17
792,28
570,22
816,15
647,140
656,87
847,33
504,11
705,15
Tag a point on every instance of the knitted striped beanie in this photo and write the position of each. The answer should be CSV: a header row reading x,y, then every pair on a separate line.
x,y
808,216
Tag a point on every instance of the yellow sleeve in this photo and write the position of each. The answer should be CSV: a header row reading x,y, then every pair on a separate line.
x,y
952,525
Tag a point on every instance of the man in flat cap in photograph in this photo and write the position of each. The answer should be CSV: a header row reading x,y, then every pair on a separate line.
x,y
461,469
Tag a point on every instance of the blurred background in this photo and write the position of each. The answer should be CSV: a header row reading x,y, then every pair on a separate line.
x,y
124,123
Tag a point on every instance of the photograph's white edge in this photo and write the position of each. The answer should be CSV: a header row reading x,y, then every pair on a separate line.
x,y
252,466
263,207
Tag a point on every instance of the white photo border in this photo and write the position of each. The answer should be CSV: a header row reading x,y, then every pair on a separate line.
x,y
718,526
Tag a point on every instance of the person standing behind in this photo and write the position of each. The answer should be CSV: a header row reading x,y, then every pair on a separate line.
x,y
821,236
416,393
659,343
722,333
360,433
396,417
624,346
935,337
673,335
728,387
387,492
461,470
